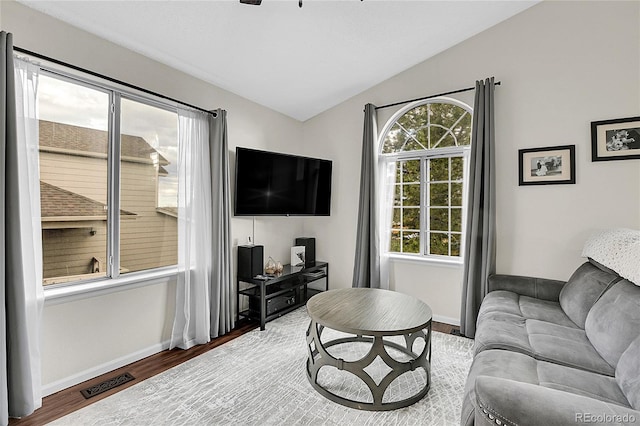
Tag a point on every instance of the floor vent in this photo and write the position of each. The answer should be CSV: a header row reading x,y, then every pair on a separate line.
x,y
106,385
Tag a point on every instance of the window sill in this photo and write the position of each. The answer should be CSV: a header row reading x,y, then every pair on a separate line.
x,y
447,263
79,291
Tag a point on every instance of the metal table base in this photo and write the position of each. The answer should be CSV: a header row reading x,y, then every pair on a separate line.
x,y
318,357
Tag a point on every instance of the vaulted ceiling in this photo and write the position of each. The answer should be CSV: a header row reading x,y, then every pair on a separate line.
x,y
298,61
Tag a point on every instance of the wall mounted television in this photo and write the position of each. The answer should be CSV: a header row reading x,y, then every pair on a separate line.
x,y
275,184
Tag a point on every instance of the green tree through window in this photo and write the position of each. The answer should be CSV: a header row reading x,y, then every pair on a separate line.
x,y
429,144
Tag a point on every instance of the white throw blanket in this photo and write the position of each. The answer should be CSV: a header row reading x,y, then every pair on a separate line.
x,y
617,249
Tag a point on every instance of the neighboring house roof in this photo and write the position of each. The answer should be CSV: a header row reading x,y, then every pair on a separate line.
x,y
59,136
169,211
56,204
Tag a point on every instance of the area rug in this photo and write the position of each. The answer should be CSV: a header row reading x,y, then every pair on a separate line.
x,y
259,379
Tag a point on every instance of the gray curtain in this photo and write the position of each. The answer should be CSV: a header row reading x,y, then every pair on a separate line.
x,y
366,271
17,393
222,292
480,241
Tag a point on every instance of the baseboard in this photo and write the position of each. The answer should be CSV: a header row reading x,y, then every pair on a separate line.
x,y
67,382
447,320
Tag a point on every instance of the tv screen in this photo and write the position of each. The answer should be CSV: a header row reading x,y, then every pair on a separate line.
x,y
274,184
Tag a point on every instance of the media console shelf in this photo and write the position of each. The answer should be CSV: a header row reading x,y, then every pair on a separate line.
x,y
268,299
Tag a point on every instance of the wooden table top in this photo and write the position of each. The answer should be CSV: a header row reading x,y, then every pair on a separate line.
x,y
369,311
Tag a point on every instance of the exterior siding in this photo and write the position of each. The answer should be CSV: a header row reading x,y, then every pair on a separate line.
x,y
148,239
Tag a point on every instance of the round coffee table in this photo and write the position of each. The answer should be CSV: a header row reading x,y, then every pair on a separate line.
x,y
370,315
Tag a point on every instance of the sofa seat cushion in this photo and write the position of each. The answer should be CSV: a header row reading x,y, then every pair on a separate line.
x,y
525,369
523,306
541,340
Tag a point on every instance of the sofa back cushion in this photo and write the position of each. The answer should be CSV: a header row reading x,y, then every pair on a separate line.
x,y
628,373
583,289
614,321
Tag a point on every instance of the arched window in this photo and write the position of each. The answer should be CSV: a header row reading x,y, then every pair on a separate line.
x,y
425,148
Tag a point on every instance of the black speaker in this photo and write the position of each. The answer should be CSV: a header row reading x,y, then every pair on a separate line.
x,y
250,260
309,244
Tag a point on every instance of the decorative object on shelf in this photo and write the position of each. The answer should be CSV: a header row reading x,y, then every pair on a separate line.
x,y
617,139
279,267
547,165
309,244
270,266
297,255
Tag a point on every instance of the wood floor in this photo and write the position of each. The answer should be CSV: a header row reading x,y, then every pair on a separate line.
x,y
69,400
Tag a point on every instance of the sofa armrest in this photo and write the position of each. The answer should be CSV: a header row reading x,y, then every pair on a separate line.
x,y
516,403
540,288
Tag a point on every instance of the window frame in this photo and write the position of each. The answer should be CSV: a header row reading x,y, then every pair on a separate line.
x,y
425,156
112,281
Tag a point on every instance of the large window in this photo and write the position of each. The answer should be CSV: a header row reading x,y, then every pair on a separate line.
x,y
108,181
429,145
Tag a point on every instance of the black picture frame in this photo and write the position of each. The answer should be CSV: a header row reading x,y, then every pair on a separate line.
x,y
617,139
552,165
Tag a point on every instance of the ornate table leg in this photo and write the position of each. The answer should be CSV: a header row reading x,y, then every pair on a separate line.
x,y
318,357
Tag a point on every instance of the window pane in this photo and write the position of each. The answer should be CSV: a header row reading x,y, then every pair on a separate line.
x,y
462,130
394,140
149,187
415,118
456,168
439,219
437,133
455,244
397,198
422,135
411,195
439,243
456,220
395,241
411,218
396,223
445,115
439,194
439,169
411,171
456,194
413,145
411,242
73,180
448,140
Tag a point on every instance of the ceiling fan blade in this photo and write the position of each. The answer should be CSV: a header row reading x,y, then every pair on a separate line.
x,y
253,2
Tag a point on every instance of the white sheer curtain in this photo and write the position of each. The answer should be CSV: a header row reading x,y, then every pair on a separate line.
x,y
387,179
21,293
31,227
192,321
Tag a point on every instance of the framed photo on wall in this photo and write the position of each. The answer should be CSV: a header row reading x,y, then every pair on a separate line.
x,y
617,139
547,166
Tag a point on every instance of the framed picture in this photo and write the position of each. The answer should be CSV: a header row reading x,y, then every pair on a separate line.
x,y
297,255
548,165
617,139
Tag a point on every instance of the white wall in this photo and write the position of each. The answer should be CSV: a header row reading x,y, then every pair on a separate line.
x,y
87,337
562,65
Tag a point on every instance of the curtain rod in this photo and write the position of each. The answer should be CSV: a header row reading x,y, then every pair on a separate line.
x,y
429,97
111,79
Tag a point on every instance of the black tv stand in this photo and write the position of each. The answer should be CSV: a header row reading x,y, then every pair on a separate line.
x,y
279,294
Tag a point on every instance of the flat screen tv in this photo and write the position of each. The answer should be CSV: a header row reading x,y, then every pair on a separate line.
x,y
274,184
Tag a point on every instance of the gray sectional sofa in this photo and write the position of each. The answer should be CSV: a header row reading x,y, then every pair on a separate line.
x,y
550,352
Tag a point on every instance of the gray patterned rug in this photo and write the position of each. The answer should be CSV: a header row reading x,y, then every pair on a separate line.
x,y
259,379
